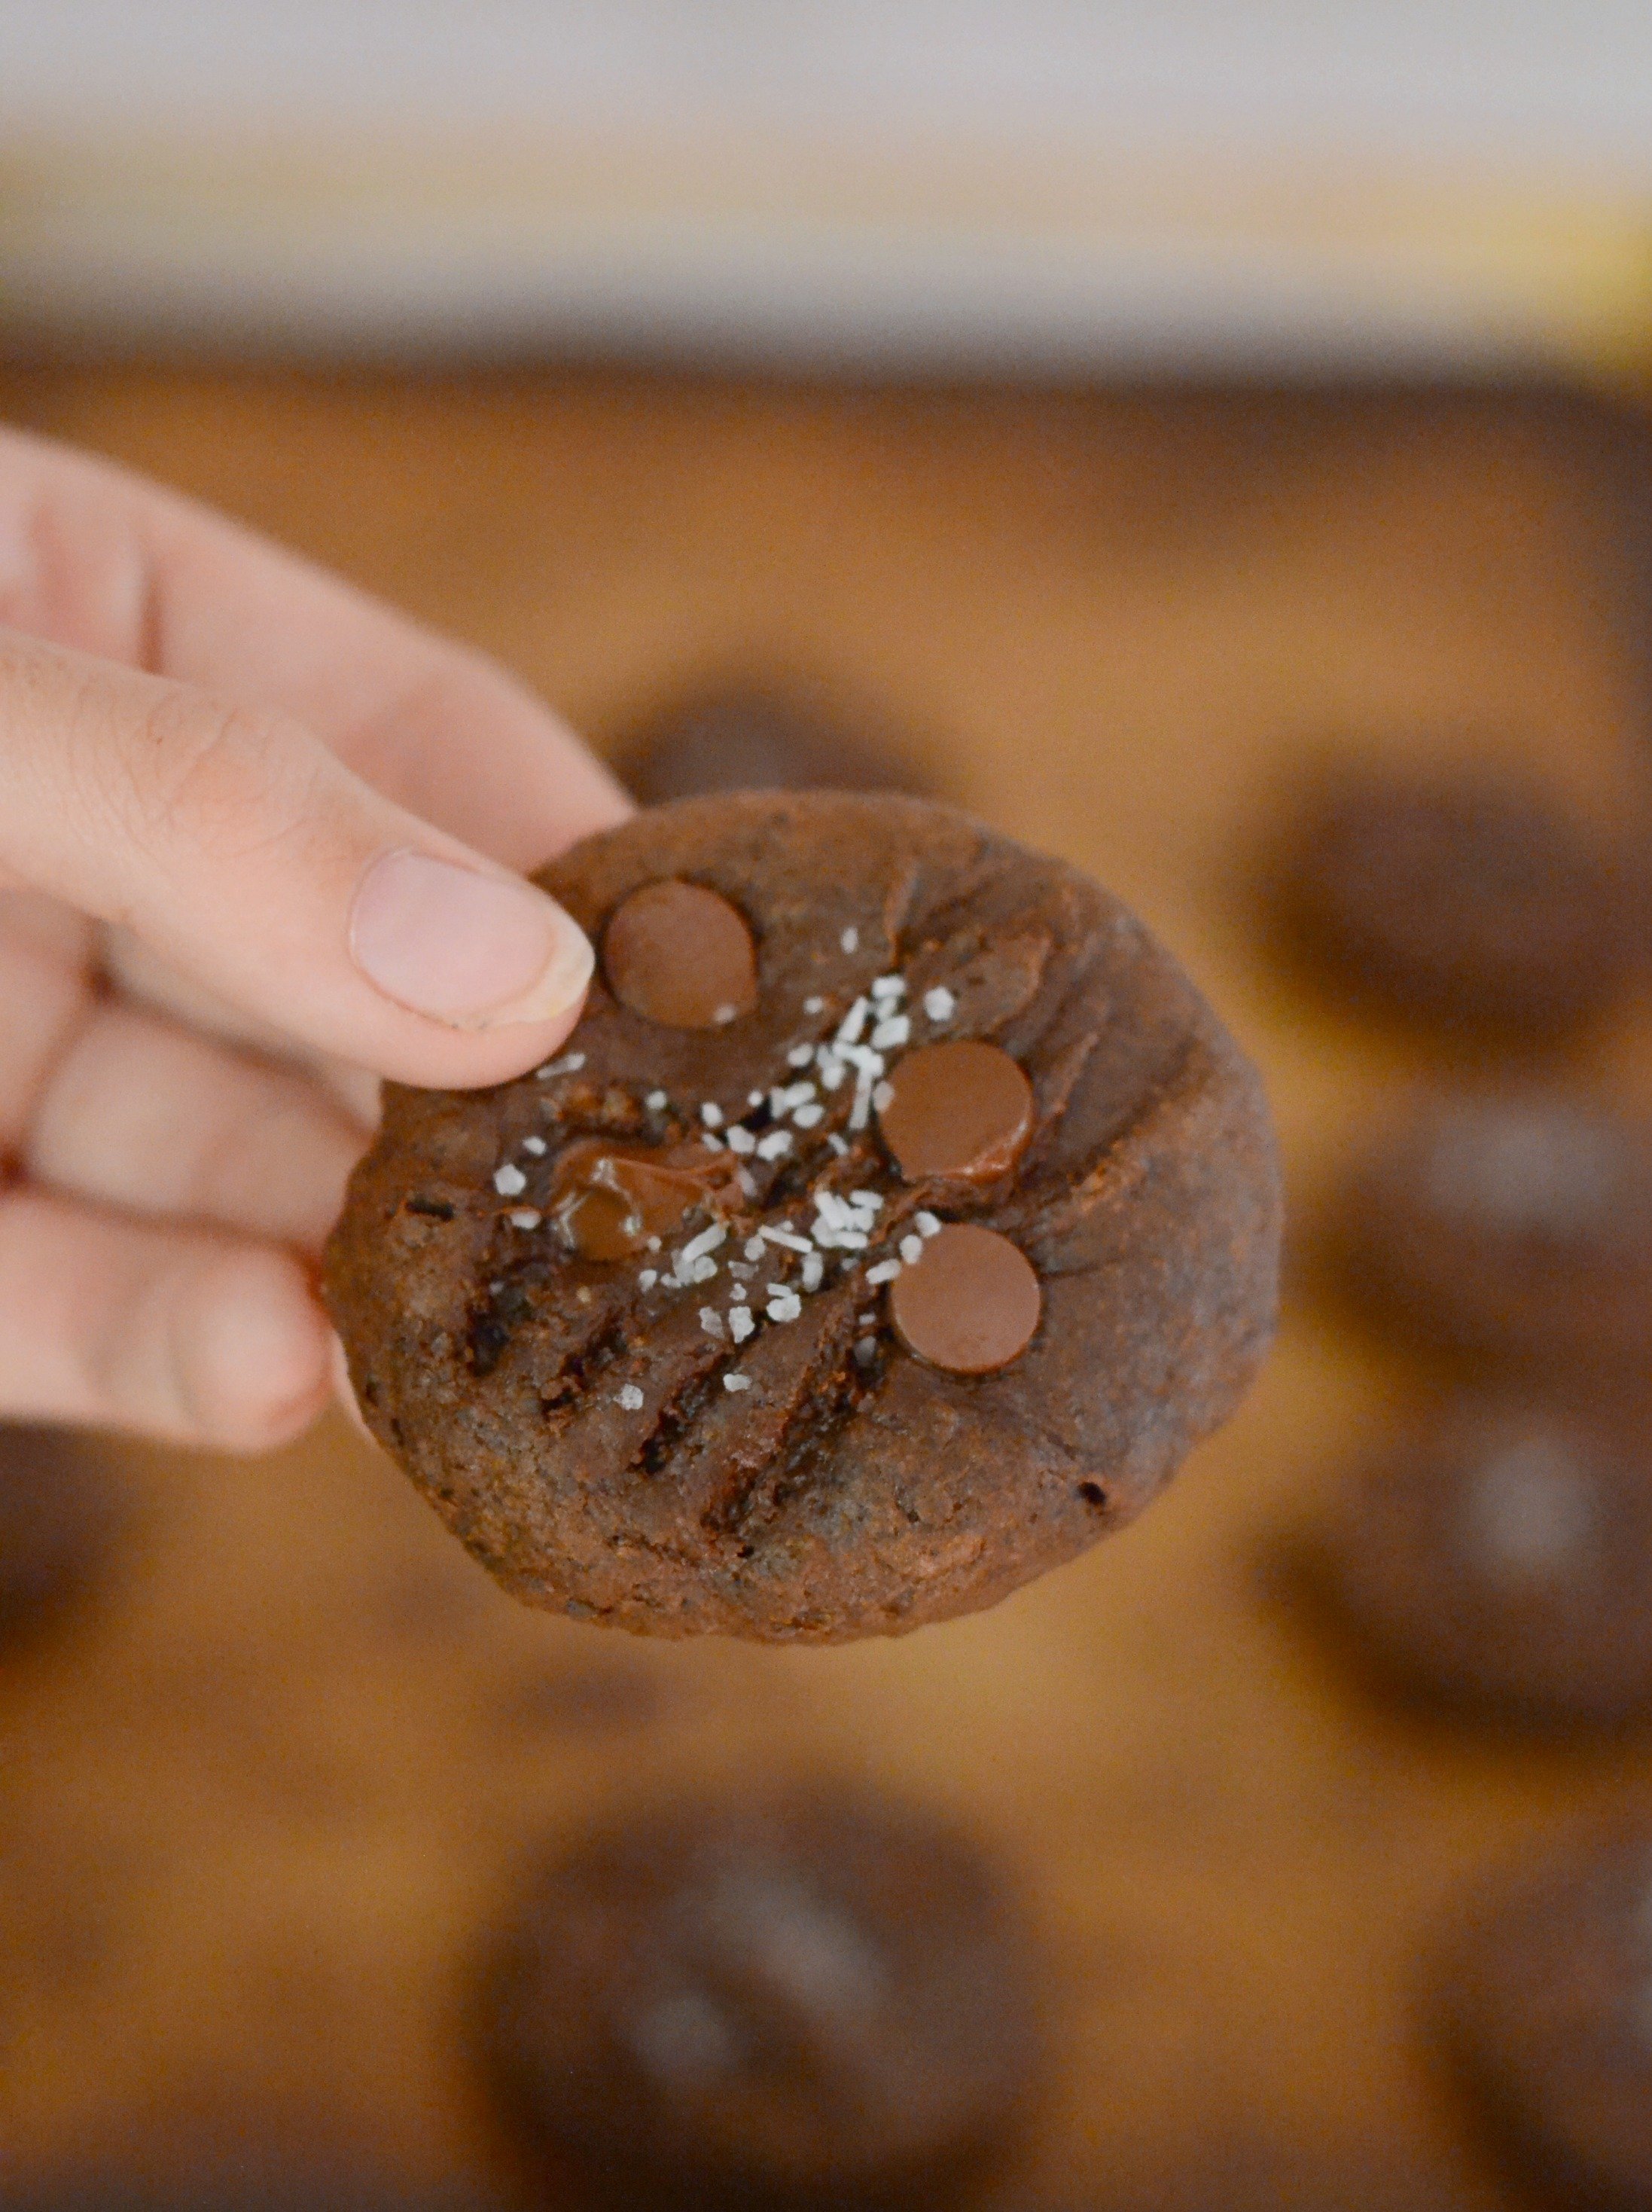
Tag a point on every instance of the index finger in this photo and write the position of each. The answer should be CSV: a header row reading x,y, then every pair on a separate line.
x,y
101,560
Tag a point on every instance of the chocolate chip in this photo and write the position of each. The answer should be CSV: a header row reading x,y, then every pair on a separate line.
x,y
971,1304
607,1200
962,1109
677,953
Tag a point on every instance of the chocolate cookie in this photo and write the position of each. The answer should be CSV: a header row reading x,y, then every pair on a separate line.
x,y
1475,902
751,737
1514,1224
896,1219
1547,1998
57,1514
1501,1556
774,2001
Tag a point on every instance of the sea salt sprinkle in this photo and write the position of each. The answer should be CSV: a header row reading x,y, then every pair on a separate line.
x,y
939,1004
535,1146
783,1304
655,1101
774,1145
784,1234
927,1223
800,1055
885,1272
736,1381
711,1321
850,940
630,1397
741,1140
814,1270
524,1217
912,1250
647,1278
569,1064
509,1182
742,1323
814,1005
711,1115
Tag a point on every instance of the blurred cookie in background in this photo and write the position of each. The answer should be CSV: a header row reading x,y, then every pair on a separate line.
x,y
1515,1225
794,2000
1545,1993
1249,2176
60,1511
761,735
1474,903
1498,1556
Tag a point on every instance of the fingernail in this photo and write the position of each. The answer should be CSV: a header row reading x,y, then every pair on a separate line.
x,y
475,951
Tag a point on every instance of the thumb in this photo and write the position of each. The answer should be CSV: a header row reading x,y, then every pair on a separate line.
x,y
237,847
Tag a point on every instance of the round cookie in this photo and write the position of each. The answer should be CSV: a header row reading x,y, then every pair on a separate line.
x,y
1500,1556
57,1513
1515,1224
629,1321
1474,903
770,2001
1546,1994
748,738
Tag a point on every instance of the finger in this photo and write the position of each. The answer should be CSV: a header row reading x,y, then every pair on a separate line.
x,y
178,1334
46,989
135,970
98,560
242,852
142,1115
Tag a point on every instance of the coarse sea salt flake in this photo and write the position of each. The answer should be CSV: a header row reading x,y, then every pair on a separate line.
x,y
814,1270
927,1223
882,1097
776,1143
814,1005
630,1397
741,1140
711,1321
753,1248
807,1115
710,1137
569,1064
912,1250
706,1241
792,1243
885,1272
839,1145
535,1146
939,1004
800,1055
850,940
524,1217
889,986
736,1381
784,1305
868,1198
655,1100
509,1182
711,1115
889,1035
742,1323
647,1278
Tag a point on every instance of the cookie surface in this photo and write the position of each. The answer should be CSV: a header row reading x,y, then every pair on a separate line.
x,y
755,738
1515,1224
1476,903
789,2000
730,1432
1547,1998
1500,1556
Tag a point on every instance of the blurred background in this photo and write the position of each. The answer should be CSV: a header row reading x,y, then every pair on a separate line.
x,y
1099,417
1036,185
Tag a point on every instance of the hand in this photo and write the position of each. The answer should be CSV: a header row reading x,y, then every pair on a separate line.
x,y
257,845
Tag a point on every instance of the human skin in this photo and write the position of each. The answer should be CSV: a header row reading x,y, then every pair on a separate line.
x,y
261,841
